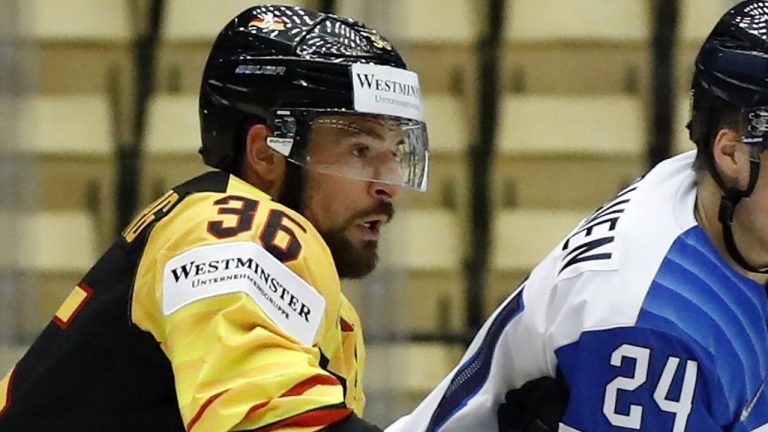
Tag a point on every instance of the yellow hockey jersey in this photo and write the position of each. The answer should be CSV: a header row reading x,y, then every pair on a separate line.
x,y
217,309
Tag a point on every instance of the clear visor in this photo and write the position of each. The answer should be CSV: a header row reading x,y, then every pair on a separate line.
x,y
376,148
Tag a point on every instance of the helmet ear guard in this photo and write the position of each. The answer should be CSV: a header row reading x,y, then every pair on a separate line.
x,y
286,130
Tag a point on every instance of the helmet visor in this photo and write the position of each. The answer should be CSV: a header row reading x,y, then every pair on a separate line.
x,y
367,147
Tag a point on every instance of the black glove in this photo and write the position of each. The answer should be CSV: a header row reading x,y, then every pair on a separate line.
x,y
537,406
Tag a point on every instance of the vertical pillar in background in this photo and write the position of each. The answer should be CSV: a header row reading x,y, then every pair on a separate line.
x,y
374,13
10,174
327,6
130,154
481,153
665,21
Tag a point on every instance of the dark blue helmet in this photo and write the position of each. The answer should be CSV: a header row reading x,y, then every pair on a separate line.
x,y
732,66
272,57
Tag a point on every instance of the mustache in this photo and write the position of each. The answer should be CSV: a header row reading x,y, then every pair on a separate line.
x,y
385,208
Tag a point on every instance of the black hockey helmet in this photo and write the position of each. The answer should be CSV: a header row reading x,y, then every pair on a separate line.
x,y
287,66
732,71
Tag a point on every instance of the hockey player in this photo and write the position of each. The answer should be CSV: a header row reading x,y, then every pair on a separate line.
x,y
219,308
653,310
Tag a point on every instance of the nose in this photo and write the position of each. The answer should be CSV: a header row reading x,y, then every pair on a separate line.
x,y
388,179
387,191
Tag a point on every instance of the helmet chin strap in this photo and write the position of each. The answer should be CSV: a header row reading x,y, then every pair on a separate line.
x,y
730,199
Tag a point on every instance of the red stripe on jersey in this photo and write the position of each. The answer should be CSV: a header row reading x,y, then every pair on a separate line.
x,y
318,417
296,390
8,393
313,381
202,409
88,294
256,407
299,389
346,326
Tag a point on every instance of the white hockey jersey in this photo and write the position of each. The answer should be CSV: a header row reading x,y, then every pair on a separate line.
x,y
637,311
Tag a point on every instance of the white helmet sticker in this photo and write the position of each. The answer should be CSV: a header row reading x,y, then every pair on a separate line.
x,y
281,145
386,90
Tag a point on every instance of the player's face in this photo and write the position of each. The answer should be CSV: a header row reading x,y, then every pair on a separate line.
x,y
350,212
751,217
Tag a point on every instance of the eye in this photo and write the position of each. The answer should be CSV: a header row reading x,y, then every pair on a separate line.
x,y
361,151
397,155
401,152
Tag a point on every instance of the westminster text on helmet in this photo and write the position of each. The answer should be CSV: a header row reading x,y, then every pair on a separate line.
x,y
369,81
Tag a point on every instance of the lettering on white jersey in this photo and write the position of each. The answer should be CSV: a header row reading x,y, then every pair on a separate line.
x,y
593,239
245,267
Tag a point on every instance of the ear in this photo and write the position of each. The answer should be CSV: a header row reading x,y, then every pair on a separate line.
x,y
260,159
731,157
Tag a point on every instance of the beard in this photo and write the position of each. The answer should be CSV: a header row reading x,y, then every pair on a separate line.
x,y
355,262
352,262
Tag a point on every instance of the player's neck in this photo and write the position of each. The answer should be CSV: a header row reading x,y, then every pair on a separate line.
x,y
706,213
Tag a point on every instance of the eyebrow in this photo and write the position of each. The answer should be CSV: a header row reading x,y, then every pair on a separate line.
x,y
357,130
354,130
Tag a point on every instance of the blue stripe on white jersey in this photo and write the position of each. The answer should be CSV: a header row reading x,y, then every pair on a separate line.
x,y
470,377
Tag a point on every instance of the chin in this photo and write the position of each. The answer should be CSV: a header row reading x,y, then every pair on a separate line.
x,y
353,260
359,263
